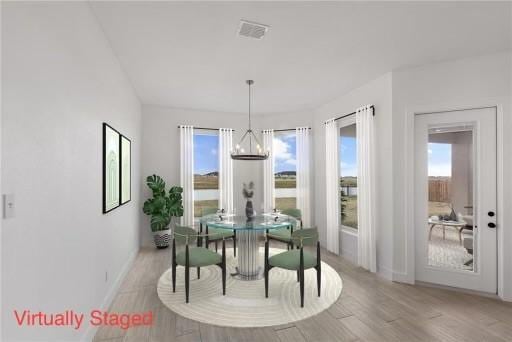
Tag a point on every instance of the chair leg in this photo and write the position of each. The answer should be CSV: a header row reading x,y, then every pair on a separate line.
x,y
223,268
318,268
174,277
187,274
207,238
187,282
301,271
298,276
200,239
301,288
173,261
234,244
216,247
265,273
199,273
319,279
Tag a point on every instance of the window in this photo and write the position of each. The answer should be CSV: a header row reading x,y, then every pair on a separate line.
x,y
439,178
348,175
206,172
285,170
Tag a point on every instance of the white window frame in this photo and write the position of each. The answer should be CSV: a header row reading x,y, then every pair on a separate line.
x,y
210,133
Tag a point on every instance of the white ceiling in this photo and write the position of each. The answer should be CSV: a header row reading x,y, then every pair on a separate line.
x,y
188,54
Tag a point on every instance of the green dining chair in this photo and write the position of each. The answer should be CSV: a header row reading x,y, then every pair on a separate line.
x,y
297,259
195,256
285,234
216,234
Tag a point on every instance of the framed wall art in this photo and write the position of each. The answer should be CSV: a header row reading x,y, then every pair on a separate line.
x,y
111,168
126,174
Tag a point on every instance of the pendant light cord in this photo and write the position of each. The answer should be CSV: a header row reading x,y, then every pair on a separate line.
x,y
249,106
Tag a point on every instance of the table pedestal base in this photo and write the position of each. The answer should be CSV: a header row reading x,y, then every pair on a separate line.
x,y
248,255
239,276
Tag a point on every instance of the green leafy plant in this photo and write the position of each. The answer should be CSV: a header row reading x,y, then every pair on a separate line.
x,y
164,205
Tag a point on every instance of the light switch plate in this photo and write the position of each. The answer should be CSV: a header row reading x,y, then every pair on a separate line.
x,y
9,205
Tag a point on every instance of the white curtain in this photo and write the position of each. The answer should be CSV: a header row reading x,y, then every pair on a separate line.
x,y
332,182
187,173
303,174
268,172
226,169
366,242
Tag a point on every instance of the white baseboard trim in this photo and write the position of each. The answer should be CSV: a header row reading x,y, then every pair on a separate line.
x,y
385,272
457,289
402,277
91,330
505,297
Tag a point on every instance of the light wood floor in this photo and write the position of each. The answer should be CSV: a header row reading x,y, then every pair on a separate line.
x,y
369,309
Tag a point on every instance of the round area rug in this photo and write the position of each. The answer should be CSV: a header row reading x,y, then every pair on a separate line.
x,y
244,304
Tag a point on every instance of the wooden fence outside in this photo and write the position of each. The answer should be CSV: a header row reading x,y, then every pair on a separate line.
x,y
439,190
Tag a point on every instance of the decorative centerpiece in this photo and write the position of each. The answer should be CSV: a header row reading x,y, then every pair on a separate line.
x,y
248,193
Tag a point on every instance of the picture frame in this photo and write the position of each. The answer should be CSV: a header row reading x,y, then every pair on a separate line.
x,y
125,187
111,168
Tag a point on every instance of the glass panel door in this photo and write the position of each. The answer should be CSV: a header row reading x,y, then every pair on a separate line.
x,y
450,197
455,198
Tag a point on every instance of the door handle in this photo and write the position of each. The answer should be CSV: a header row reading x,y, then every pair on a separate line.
x,y
491,225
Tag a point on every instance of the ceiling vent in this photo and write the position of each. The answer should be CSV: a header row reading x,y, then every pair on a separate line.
x,y
252,30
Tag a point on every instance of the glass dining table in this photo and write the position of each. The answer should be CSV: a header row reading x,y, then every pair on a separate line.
x,y
248,233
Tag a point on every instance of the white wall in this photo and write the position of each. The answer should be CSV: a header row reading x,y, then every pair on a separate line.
x,y
61,80
378,93
469,82
161,151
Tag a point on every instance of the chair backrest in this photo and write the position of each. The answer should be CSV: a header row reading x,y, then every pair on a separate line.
x,y
208,211
181,234
305,237
293,212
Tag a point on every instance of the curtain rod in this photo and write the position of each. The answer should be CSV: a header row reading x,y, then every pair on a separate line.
x,y
349,114
287,129
207,128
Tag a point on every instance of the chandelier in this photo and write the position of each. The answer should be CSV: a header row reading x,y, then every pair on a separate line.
x,y
249,141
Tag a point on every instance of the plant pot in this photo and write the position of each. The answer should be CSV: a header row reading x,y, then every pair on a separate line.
x,y
162,238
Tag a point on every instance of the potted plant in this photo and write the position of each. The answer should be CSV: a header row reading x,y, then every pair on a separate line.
x,y
162,208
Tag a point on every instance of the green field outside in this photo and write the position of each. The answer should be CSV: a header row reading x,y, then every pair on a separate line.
x,y
206,182
286,203
350,212
348,181
200,205
285,182
290,182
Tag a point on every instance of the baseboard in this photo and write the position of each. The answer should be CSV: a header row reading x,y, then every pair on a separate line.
x,y
385,272
402,277
458,289
91,330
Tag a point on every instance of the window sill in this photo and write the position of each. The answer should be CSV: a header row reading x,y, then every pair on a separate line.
x,y
349,230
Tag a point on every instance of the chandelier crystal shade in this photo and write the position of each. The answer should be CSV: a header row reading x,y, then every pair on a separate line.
x,y
249,147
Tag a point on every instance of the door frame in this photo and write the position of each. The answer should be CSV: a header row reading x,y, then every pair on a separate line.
x,y
504,270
